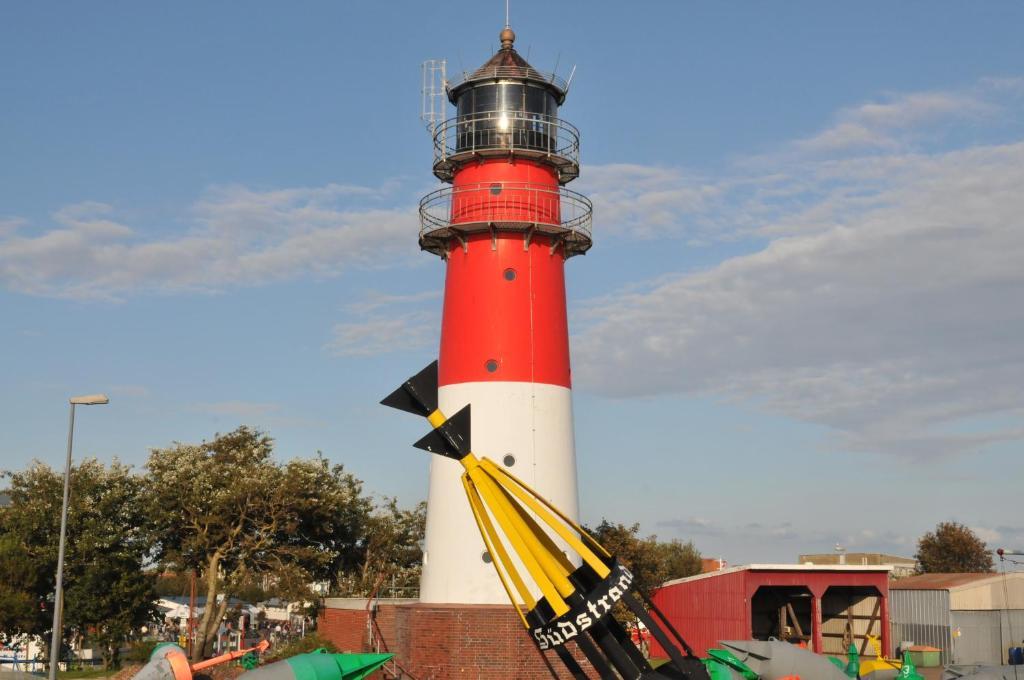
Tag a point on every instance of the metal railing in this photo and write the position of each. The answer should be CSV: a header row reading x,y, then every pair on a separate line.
x,y
511,72
376,643
507,132
519,206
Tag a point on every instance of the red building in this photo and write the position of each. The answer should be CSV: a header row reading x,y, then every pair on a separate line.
x,y
825,606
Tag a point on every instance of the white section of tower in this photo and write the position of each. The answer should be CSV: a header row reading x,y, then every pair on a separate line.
x,y
531,422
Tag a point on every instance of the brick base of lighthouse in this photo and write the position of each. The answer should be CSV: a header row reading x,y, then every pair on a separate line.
x,y
432,641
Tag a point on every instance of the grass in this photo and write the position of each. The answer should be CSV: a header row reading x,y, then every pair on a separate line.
x,y
300,646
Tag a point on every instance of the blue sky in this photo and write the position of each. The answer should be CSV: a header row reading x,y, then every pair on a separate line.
x,y
800,323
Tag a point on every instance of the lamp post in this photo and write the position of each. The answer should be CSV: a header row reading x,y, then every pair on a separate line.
x,y
58,596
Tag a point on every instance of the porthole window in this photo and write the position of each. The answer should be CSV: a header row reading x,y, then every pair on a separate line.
x,y
491,365
486,557
510,274
509,460
495,189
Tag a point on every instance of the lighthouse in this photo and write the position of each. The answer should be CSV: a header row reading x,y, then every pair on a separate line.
x,y
504,224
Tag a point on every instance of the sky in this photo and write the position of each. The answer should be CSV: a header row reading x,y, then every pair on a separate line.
x,y
800,323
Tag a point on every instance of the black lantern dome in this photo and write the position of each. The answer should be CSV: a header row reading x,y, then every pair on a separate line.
x,y
507,107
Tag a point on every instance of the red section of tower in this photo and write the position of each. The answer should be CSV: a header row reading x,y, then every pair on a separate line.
x,y
516,300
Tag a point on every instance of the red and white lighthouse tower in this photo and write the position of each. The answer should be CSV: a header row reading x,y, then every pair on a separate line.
x,y
505,226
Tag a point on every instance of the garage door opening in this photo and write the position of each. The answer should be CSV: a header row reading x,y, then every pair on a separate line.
x,y
781,612
851,615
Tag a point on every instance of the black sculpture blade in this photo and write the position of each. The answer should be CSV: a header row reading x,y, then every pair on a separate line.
x,y
452,438
418,394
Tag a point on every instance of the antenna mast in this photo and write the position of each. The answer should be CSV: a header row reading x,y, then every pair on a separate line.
x,y
432,93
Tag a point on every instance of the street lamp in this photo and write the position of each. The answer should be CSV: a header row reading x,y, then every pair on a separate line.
x,y
58,597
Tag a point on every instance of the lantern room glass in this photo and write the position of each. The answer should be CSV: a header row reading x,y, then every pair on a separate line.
x,y
507,114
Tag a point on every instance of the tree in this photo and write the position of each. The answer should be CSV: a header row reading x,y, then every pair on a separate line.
x,y
952,548
228,510
21,610
173,584
28,554
107,594
652,561
391,554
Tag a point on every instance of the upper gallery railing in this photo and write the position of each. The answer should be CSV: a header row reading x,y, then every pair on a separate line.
x,y
507,132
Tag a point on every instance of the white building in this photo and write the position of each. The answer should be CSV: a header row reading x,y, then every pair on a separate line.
x,y
972,618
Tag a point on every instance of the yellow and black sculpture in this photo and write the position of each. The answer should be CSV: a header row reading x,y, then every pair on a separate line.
x,y
558,602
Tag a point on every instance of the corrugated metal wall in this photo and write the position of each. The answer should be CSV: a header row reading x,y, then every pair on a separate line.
x,y
921,617
983,636
990,594
976,637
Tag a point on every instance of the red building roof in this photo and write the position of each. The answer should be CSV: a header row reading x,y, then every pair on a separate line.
x,y
784,569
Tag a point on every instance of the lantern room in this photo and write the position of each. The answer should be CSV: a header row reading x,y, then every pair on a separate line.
x,y
507,108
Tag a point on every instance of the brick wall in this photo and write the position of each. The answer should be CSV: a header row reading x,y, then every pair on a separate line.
x,y
346,628
436,642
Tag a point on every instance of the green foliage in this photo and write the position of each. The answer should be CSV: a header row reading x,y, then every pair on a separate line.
x,y
22,589
302,645
106,594
251,591
391,556
652,561
250,526
139,651
227,509
28,551
952,548
173,584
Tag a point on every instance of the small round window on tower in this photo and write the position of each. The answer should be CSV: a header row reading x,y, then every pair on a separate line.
x,y
486,557
510,274
495,188
509,460
491,365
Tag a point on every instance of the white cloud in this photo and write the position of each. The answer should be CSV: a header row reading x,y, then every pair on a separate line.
x,y
239,409
263,414
647,202
1011,537
990,536
885,305
9,225
846,134
89,218
782,190
700,526
693,526
872,540
383,334
239,237
135,391
376,300
1010,84
385,323
878,124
